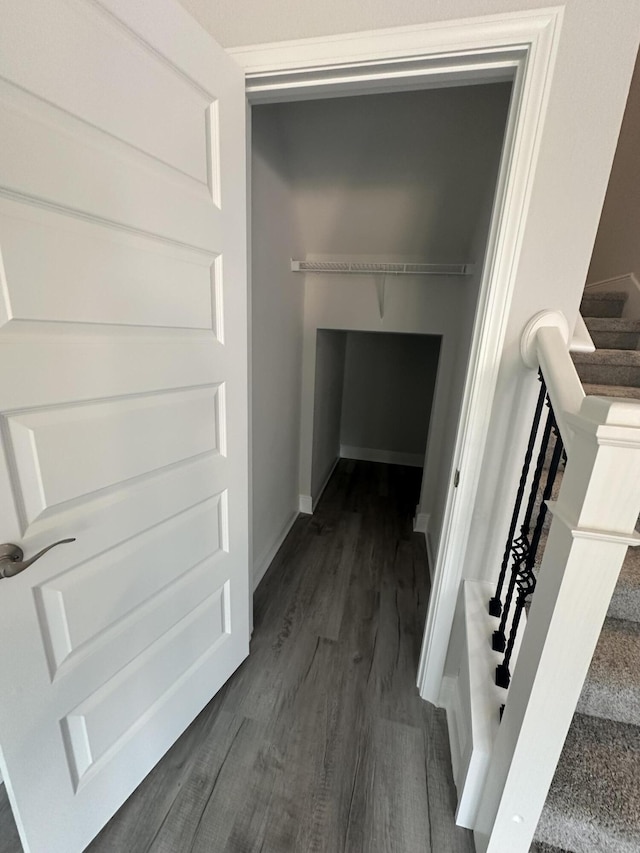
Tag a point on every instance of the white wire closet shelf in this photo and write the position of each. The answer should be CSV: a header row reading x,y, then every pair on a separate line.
x,y
365,268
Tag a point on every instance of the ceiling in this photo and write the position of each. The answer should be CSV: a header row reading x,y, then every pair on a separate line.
x,y
243,22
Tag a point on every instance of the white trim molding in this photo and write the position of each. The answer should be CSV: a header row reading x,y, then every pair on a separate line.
x,y
260,566
581,340
421,522
446,52
305,504
519,46
316,499
614,283
308,503
390,457
421,525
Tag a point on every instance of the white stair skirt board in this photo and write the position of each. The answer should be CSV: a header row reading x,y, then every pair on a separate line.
x,y
628,284
260,566
581,340
390,457
472,699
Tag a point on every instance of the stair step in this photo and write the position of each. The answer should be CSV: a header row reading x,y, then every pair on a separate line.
x,y
613,332
594,799
603,304
538,847
608,367
611,391
612,687
625,602
612,324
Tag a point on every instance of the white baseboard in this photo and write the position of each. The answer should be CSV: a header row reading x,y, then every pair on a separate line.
x,y
305,504
421,525
390,457
260,567
448,701
315,500
421,522
431,557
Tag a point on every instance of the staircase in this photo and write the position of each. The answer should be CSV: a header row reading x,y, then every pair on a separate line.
x,y
593,805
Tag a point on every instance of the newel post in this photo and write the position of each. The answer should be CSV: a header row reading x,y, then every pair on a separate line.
x,y
593,523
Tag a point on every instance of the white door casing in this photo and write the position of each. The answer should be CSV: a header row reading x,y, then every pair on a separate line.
x,y
123,398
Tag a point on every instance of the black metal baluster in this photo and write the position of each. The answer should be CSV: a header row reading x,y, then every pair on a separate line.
x,y
521,547
495,604
526,579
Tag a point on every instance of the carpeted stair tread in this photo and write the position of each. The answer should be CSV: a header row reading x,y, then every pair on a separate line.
x,y
620,357
593,804
609,366
614,332
612,687
612,324
611,391
538,847
603,304
603,296
625,602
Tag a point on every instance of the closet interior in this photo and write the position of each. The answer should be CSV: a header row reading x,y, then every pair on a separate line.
x,y
370,219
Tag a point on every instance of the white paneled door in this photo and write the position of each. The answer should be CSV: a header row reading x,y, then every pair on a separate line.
x,y
123,398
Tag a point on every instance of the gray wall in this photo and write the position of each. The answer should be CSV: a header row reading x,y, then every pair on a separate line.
x,y
617,248
276,320
389,382
402,175
330,362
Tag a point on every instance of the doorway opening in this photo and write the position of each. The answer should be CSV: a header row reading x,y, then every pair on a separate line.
x,y
372,400
519,49
386,200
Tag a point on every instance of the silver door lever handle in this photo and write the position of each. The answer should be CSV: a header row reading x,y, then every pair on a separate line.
x,y
11,558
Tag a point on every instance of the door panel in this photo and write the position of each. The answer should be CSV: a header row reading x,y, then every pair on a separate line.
x,y
123,398
111,277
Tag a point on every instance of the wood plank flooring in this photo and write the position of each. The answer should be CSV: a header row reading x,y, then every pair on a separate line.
x,y
319,743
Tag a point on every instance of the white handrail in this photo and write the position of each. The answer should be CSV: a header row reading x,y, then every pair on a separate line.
x,y
545,344
561,378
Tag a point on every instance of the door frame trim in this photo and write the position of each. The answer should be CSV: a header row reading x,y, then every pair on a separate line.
x,y
519,46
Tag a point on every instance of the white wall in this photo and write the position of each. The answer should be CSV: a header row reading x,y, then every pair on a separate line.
x,y
276,319
617,248
423,306
389,381
329,381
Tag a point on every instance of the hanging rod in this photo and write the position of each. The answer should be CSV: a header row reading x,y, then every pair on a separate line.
x,y
351,267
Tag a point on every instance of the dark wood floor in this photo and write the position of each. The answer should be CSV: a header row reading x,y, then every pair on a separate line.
x,y
319,742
